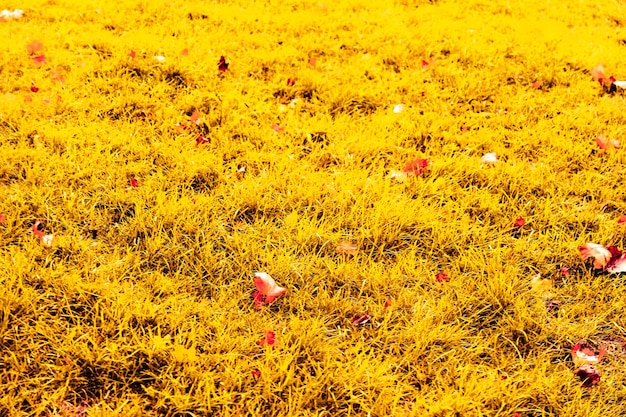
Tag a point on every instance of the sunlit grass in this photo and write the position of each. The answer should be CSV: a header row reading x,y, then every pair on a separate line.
x,y
143,303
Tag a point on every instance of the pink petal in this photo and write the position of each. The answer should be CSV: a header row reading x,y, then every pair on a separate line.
x,y
599,253
266,285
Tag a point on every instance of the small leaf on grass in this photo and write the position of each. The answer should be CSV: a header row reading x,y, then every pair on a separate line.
x,y
34,47
185,52
388,303
278,128
268,340
599,253
39,59
256,374
2,218
553,305
33,87
360,320
266,285
607,144
584,352
346,248
258,300
133,182
416,167
442,277
564,271
291,82
519,222
589,375
622,219
132,54
222,65
201,139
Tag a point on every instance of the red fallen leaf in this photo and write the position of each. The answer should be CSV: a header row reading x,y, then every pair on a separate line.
x,y
607,144
256,374
258,300
134,182
266,285
589,375
346,248
291,82
537,85
268,340
564,271
360,320
222,65
516,415
388,303
442,276
416,167
278,128
185,52
622,219
201,139
132,54
39,59
519,222
426,64
67,361
34,47
2,218
312,62
598,74
34,88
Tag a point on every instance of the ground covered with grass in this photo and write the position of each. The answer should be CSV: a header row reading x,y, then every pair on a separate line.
x,y
418,176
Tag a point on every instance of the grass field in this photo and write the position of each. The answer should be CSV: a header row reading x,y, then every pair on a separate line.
x,y
347,150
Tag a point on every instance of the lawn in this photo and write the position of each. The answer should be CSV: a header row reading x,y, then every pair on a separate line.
x,y
293,208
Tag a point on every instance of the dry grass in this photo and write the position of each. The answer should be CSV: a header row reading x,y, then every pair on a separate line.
x,y
143,304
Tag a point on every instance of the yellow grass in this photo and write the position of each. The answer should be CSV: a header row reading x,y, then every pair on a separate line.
x,y
143,304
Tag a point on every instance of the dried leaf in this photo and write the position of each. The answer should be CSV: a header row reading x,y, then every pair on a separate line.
x,y
266,285
607,144
599,253
268,340
222,65
442,276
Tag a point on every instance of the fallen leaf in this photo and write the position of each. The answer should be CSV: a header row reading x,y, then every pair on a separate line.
x,y
541,286
599,253
597,73
278,128
34,47
622,219
416,167
185,52
583,352
564,271
360,320
133,182
34,88
2,218
388,303
39,59
201,139
291,82
519,222
537,84
268,340
256,374
312,62
346,248
553,305
132,54
266,285
489,158
589,375
607,144
442,276
222,65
